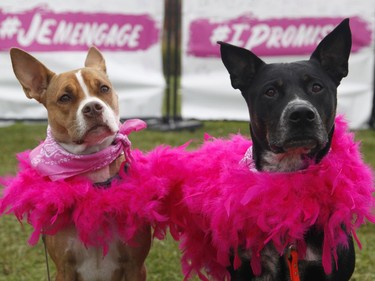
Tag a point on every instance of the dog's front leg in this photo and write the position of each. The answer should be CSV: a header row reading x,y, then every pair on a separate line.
x,y
133,258
61,254
67,274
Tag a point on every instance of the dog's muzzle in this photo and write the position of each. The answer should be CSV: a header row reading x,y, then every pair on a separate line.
x,y
300,128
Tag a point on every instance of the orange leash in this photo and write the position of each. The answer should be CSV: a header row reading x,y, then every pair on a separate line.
x,y
292,261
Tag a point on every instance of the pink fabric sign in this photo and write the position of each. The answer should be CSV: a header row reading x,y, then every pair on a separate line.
x,y
42,30
270,37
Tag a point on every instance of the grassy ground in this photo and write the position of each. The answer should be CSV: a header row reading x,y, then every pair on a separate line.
x,y
20,262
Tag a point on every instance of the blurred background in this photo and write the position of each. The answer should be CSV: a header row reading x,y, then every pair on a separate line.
x,y
162,56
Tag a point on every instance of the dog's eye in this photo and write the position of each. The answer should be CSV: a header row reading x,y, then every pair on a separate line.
x,y
65,98
316,88
104,89
271,92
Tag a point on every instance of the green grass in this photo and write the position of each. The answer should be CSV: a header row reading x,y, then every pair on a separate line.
x,y
19,262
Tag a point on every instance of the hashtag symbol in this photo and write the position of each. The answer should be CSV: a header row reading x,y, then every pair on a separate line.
x,y
220,33
9,27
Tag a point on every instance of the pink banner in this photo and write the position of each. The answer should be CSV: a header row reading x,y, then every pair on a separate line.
x,y
43,30
271,37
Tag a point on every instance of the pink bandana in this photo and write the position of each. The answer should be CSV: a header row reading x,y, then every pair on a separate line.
x,y
53,161
248,160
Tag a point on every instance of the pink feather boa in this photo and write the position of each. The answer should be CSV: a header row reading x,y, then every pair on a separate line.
x,y
224,205
211,203
100,215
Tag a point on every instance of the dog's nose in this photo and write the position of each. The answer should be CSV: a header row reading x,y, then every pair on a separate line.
x,y
92,109
301,114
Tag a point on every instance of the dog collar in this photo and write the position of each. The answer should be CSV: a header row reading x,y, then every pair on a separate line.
x,y
53,161
108,183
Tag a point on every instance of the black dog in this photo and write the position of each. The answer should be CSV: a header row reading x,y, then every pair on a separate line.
x,y
292,110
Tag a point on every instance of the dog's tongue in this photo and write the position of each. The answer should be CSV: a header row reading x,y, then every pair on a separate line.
x,y
132,125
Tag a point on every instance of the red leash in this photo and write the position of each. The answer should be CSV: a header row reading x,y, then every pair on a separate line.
x,y
292,260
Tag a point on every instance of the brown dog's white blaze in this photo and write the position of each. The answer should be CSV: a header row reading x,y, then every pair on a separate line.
x,y
94,131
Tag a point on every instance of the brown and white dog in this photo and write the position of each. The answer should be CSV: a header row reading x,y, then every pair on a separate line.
x,y
83,116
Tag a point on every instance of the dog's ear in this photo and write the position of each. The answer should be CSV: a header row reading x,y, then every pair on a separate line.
x,y
241,64
333,52
33,76
95,59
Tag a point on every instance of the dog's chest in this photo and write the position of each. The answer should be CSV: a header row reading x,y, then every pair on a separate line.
x,y
91,264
